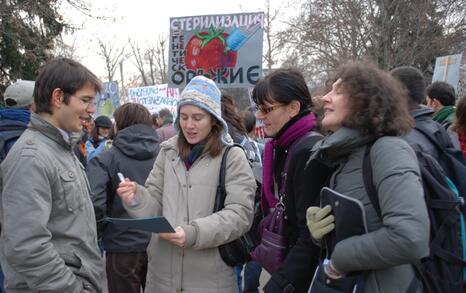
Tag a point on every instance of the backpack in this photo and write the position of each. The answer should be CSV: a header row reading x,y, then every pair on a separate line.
x,y
451,160
443,270
8,136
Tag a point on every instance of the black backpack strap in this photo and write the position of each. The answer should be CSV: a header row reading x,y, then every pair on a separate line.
x,y
221,190
368,179
440,145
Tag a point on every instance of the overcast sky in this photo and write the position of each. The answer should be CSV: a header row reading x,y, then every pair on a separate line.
x,y
143,20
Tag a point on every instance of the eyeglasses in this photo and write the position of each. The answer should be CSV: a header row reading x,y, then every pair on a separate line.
x,y
266,110
85,100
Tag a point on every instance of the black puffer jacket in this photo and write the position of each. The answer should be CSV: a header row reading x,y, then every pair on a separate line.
x,y
133,153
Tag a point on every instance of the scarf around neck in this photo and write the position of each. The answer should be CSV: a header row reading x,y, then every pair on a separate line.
x,y
337,145
443,114
285,138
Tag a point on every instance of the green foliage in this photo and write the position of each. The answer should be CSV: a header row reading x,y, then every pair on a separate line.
x,y
27,31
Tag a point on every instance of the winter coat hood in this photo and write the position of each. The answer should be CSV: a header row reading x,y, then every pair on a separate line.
x,y
139,142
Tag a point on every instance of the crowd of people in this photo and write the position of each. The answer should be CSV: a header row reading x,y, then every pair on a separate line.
x,y
61,184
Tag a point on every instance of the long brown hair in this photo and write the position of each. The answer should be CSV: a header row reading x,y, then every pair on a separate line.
x,y
213,144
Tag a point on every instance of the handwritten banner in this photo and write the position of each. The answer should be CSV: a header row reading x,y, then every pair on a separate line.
x,y
155,97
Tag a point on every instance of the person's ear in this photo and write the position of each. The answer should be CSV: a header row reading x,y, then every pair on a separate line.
x,y
57,97
294,108
436,103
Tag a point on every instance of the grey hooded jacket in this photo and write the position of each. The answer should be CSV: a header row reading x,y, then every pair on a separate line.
x,y
48,241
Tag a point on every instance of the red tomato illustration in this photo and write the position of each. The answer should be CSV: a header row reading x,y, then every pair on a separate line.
x,y
207,51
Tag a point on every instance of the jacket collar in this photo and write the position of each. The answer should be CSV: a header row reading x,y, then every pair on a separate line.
x,y
337,145
46,128
421,110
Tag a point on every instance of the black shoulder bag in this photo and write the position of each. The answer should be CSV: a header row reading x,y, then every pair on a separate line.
x,y
236,252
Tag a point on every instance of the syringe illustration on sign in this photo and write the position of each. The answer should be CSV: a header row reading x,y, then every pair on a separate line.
x,y
238,38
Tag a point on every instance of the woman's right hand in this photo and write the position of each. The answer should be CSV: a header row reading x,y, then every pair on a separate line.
x,y
319,221
127,191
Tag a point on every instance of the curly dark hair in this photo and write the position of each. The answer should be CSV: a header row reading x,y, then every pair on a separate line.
x,y
460,122
378,102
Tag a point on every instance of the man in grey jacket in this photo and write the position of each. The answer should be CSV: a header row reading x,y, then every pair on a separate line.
x,y
49,241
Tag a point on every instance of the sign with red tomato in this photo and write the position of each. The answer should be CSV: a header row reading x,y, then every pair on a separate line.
x,y
226,48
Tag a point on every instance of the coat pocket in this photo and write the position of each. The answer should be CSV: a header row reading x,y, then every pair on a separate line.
x,y
71,191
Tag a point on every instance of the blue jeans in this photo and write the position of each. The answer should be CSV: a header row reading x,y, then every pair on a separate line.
x,y
252,273
2,290
239,279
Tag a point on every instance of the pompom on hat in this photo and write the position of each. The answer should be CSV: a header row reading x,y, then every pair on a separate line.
x,y
204,93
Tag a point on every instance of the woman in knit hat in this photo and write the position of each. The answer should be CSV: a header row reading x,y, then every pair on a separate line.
x,y
182,188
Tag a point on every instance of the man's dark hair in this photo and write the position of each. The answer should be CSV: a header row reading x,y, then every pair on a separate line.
x,y
166,115
413,80
442,92
65,74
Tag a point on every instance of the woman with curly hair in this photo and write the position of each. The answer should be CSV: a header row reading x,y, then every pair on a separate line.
x,y
367,106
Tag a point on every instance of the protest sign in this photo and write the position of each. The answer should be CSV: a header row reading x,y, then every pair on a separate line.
x,y
447,69
108,100
155,97
226,48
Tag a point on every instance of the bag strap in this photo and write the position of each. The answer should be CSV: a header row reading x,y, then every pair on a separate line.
x,y
291,151
221,190
424,131
368,179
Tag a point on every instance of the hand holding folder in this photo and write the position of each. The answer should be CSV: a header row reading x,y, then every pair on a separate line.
x,y
350,216
153,224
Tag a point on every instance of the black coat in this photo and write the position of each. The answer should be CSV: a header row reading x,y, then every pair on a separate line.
x,y
423,117
133,154
303,187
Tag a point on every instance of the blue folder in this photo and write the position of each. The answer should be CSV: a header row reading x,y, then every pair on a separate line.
x,y
153,224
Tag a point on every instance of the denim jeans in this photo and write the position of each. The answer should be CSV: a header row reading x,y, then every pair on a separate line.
x,y
2,279
239,278
126,272
252,273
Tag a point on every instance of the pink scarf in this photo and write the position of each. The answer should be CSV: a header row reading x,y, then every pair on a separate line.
x,y
297,130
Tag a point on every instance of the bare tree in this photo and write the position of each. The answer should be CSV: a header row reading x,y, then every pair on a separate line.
x,y
112,55
66,48
273,45
391,33
151,61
